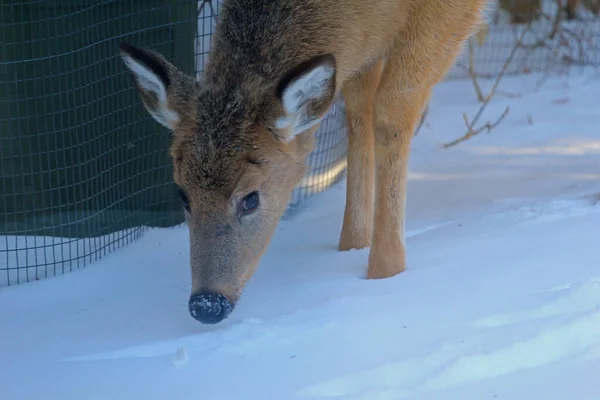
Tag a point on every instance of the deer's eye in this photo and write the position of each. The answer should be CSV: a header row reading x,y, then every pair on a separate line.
x,y
249,203
184,199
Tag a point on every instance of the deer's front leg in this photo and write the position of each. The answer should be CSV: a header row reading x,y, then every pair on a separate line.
x,y
396,117
359,94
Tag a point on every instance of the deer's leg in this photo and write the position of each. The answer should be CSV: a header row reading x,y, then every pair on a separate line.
x,y
396,119
421,57
359,94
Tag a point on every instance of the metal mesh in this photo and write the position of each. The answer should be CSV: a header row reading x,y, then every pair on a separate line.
x,y
84,169
544,48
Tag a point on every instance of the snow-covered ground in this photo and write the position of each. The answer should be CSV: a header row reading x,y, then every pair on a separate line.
x,y
501,298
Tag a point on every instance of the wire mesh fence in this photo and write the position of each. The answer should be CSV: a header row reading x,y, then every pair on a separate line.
x,y
560,34
84,169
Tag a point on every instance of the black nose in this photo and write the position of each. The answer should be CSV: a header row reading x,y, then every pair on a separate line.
x,y
209,307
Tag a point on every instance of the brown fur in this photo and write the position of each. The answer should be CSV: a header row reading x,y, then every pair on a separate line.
x,y
388,54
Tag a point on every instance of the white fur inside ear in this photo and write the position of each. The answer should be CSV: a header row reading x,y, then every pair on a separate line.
x,y
150,82
284,123
313,85
146,78
296,124
166,117
310,86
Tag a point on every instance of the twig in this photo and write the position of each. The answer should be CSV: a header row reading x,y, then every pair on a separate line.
x,y
562,35
556,26
422,121
471,131
472,73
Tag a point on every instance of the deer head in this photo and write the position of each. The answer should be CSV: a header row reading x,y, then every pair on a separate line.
x,y
238,151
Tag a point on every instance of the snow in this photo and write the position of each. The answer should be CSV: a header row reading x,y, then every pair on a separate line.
x,y
500,299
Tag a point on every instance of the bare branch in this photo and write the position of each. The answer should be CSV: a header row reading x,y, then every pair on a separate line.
x,y
472,72
471,130
422,121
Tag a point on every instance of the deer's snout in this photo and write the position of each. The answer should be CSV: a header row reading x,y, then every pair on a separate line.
x,y
209,307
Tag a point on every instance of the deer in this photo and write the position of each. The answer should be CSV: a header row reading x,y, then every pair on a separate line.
x,y
241,132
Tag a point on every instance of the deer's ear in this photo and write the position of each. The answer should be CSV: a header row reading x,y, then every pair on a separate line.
x,y
153,77
306,93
